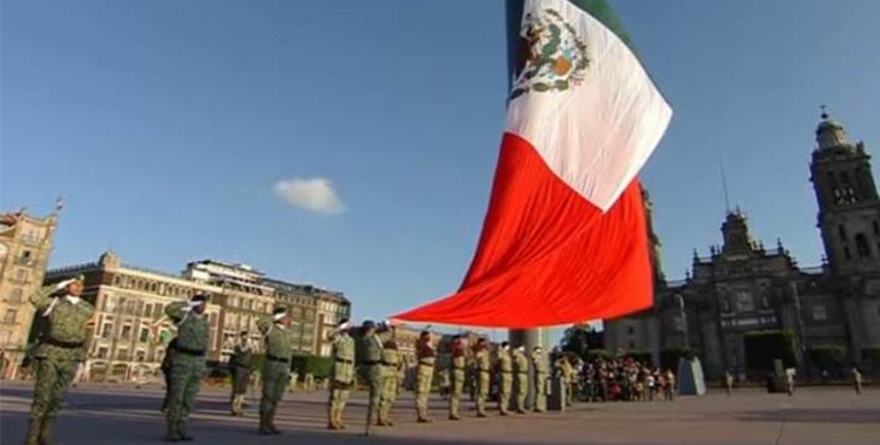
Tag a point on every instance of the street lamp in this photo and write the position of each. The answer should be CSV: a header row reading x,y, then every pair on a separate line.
x,y
684,326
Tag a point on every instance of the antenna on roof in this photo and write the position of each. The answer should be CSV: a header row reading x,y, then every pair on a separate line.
x,y
724,182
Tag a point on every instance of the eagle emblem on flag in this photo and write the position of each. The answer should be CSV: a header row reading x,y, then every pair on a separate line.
x,y
553,56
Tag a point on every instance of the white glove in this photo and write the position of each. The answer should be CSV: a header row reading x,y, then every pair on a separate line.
x,y
64,284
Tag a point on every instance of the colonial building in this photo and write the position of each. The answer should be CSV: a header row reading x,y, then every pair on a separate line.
x,y
130,301
741,286
25,245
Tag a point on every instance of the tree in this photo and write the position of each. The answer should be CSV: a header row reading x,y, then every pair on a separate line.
x,y
580,339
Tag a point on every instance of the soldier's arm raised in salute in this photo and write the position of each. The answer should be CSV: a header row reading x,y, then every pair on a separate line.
x,y
177,310
41,298
264,325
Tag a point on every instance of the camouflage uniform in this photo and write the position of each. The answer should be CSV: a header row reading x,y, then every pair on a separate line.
x,y
276,370
371,371
187,366
457,372
484,369
425,355
505,370
241,363
167,363
522,379
539,363
392,367
56,358
342,377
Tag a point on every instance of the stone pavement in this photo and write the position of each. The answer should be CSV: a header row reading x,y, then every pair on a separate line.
x,y
116,414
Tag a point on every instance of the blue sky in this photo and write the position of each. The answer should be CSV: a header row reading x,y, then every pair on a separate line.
x,y
171,127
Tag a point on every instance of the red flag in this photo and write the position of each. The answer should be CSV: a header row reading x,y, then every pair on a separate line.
x,y
565,238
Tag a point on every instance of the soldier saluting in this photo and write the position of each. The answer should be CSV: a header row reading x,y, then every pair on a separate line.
x,y
276,368
371,367
187,363
457,372
241,363
484,374
426,355
342,375
58,353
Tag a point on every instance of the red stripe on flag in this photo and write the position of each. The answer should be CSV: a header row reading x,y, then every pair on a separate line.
x,y
547,256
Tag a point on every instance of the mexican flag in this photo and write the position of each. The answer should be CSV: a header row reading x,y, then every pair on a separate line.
x,y
565,238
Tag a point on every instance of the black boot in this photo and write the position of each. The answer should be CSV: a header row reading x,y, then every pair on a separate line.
x,y
270,422
181,428
264,425
46,431
33,431
173,435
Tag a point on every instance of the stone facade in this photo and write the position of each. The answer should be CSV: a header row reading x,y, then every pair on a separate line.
x,y
130,300
25,245
743,287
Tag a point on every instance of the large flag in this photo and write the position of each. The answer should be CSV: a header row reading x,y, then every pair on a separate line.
x,y
565,238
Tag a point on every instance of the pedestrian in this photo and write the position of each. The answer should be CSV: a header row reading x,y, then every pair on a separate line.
x,y
341,375
425,355
457,372
484,368
539,364
58,353
241,363
278,341
294,378
670,385
521,366
789,380
505,374
392,367
728,382
188,364
371,368
857,379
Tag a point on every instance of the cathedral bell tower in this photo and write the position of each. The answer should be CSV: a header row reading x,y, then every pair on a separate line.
x,y
849,208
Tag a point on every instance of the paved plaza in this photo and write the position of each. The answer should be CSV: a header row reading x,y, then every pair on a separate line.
x,y
115,414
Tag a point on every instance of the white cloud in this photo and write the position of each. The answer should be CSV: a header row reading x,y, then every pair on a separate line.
x,y
313,194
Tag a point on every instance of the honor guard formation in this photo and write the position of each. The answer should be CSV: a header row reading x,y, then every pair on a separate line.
x,y
364,357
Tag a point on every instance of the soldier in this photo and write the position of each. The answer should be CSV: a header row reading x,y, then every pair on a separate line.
x,y
371,367
278,339
505,371
241,363
58,353
521,363
484,368
539,363
188,364
566,373
426,355
342,375
167,362
457,372
392,368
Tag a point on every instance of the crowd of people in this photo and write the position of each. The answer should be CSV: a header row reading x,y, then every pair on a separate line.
x,y
625,380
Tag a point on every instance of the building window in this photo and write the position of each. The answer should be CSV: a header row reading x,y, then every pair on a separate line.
x,y
846,253
744,302
21,275
122,354
148,310
630,330
157,311
632,345
10,315
862,245
102,352
145,335
107,330
819,312
15,296
841,231
126,332
26,258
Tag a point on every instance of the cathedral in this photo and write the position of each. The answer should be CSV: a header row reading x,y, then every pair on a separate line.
x,y
742,287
